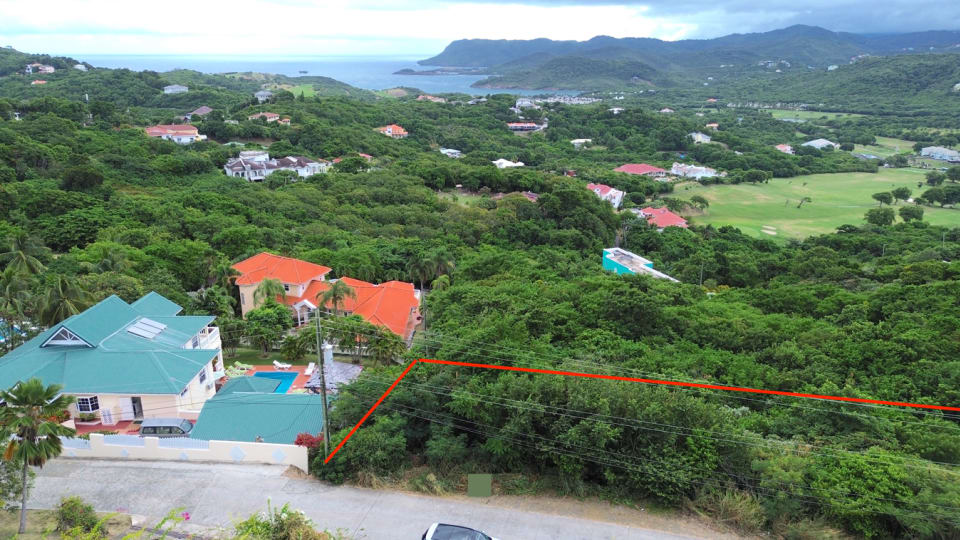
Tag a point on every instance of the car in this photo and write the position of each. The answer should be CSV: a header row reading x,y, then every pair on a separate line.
x,y
445,531
165,427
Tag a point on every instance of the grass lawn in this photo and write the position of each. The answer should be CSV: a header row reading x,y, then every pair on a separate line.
x,y
770,210
810,116
305,89
463,199
885,147
43,524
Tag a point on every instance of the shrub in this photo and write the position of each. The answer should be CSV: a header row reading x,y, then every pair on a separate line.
x,y
279,524
733,508
74,513
309,441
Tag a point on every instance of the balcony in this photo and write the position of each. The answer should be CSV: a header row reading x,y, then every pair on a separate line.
x,y
209,338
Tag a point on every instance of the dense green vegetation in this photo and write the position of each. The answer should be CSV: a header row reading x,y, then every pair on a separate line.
x,y
89,206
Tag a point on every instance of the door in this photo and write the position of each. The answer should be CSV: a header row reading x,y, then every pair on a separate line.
x,y
137,407
126,409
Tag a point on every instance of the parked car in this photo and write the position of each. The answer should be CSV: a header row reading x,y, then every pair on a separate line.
x,y
443,531
165,427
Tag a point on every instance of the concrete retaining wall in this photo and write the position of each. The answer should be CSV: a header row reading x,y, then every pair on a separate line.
x,y
174,449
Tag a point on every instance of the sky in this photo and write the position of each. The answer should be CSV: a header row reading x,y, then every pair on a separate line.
x,y
420,27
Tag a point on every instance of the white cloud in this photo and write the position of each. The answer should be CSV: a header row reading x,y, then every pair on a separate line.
x,y
302,27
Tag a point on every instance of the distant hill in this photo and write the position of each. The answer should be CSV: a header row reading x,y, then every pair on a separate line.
x,y
522,63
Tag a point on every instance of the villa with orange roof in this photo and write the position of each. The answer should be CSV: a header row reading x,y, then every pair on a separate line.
x,y
178,133
393,305
393,131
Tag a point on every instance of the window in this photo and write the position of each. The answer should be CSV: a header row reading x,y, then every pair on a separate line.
x,y
184,393
203,375
195,343
149,431
165,430
286,287
88,404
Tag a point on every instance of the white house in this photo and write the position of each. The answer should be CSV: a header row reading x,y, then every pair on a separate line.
x,y
256,165
579,143
666,110
506,163
39,68
80,67
941,153
692,171
607,193
263,95
820,144
699,137
174,89
451,153
616,110
178,133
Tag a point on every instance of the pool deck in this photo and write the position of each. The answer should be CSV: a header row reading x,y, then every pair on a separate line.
x,y
297,383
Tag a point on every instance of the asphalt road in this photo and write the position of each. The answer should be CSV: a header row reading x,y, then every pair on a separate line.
x,y
221,494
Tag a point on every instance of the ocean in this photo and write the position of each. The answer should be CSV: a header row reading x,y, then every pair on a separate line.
x,y
368,72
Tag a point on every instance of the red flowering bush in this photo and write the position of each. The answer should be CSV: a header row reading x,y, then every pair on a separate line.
x,y
309,441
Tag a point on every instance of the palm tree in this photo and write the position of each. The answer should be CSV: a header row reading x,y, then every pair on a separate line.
x,y
336,295
420,269
23,252
441,283
269,289
112,261
28,423
294,348
223,274
386,346
14,302
64,298
441,262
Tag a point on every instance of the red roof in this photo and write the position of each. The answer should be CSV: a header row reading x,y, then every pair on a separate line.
x,y
285,269
639,168
661,217
171,129
392,304
393,129
599,189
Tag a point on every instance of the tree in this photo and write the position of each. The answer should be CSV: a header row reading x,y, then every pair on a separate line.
x,y
884,197
267,323
935,178
336,296
441,263
386,346
700,202
14,303
23,254
420,268
81,178
935,195
953,174
296,347
352,164
28,424
804,200
64,298
281,178
901,194
269,289
911,213
880,216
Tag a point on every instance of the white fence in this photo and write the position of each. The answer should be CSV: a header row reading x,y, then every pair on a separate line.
x,y
184,449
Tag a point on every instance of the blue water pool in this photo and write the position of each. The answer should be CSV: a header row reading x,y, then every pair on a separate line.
x,y
286,379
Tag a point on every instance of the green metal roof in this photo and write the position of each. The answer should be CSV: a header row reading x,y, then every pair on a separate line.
x,y
250,384
277,418
155,305
115,360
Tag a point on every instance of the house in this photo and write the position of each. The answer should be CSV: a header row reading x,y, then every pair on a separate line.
x,y
200,111
692,171
255,166
621,261
607,193
666,110
178,133
712,125
616,110
284,121
124,361
506,163
660,217
642,169
393,131
39,68
477,101
451,153
174,89
522,126
268,116
245,410
432,99
941,153
38,81
263,95
820,144
832,67
865,156
80,67
698,137
711,100
785,148
524,103
393,305
578,143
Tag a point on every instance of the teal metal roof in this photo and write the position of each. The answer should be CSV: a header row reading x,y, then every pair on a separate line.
x,y
277,418
249,384
115,360
155,305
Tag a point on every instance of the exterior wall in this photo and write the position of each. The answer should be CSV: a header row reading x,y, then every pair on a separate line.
x,y
246,298
615,267
182,449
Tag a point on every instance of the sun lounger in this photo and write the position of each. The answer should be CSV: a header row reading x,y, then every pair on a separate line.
x,y
281,365
310,367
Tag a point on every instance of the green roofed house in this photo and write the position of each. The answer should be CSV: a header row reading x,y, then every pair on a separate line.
x,y
124,361
246,408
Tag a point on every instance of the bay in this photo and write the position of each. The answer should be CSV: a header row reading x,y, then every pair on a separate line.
x,y
368,72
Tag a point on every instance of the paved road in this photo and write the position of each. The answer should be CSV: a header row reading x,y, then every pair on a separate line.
x,y
221,494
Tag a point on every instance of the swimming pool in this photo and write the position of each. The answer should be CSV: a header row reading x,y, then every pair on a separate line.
x,y
286,379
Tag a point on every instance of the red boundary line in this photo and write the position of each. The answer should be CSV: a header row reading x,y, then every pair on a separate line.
x,y
627,379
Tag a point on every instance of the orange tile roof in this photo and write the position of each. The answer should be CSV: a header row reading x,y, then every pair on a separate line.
x,y
392,304
269,266
171,129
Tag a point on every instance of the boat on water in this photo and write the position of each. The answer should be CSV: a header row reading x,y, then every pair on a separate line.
x,y
302,71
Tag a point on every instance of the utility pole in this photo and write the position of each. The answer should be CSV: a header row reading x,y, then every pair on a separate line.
x,y
323,387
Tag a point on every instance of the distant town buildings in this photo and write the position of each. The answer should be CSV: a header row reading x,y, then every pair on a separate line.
x,y
263,95
178,133
506,163
607,193
661,218
256,165
621,261
941,153
393,130
820,144
175,89
267,116
451,153
785,148
692,171
522,126
698,137
39,68
642,169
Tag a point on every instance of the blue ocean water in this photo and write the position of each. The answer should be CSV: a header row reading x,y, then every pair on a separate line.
x,y
369,72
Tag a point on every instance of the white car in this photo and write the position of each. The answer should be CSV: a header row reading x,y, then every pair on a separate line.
x,y
443,531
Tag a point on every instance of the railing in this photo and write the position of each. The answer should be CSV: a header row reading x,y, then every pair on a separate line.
x,y
210,338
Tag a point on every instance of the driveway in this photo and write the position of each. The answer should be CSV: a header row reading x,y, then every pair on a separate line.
x,y
221,494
